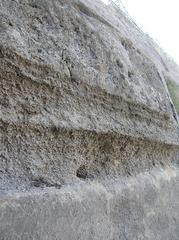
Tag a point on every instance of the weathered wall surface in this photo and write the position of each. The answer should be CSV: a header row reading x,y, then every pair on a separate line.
x,y
142,207
88,132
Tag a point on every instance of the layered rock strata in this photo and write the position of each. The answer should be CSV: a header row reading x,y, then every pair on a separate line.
x,y
88,132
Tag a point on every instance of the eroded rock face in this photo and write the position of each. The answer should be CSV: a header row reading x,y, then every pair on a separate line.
x,y
83,102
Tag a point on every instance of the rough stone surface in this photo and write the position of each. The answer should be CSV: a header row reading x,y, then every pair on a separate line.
x,y
89,135
142,207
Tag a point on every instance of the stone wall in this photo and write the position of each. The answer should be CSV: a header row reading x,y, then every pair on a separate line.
x,y
88,132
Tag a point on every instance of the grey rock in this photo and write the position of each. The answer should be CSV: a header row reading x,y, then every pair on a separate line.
x,y
142,207
88,132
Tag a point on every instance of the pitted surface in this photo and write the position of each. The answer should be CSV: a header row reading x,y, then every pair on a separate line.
x,y
84,111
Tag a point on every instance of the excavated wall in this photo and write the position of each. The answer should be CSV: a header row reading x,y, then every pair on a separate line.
x,y
89,136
